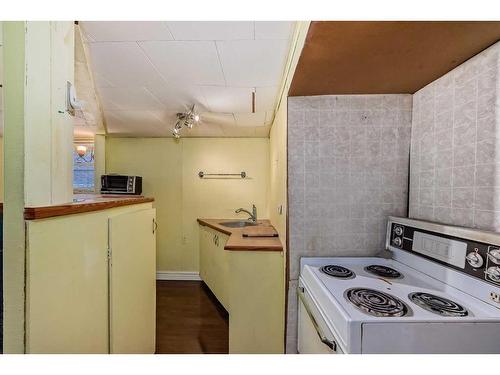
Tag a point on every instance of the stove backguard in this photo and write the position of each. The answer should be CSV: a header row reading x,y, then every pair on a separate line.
x,y
474,252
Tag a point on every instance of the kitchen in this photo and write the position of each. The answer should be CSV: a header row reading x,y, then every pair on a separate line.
x,y
258,187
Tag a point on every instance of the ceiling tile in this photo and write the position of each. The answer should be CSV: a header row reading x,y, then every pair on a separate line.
x,y
228,99
250,63
178,97
273,29
211,30
186,62
136,123
100,81
224,119
250,119
265,98
123,64
123,31
130,99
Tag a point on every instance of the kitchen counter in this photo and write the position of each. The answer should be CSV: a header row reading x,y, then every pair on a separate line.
x,y
84,203
237,242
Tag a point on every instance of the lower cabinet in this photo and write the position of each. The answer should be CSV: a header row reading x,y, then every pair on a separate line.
x,y
90,282
214,263
132,281
251,287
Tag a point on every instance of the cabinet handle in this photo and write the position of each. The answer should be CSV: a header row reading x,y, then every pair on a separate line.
x,y
155,226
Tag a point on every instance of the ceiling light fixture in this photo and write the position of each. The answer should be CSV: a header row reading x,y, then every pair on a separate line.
x,y
81,151
187,119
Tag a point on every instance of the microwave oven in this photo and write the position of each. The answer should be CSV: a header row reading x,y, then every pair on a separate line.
x,y
119,184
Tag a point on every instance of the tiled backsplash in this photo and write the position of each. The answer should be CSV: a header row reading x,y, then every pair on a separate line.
x,y
347,171
455,151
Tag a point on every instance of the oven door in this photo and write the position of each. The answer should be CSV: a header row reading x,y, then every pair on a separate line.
x,y
314,337
116,184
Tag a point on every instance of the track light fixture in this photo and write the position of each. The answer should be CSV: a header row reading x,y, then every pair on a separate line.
x,y
187,119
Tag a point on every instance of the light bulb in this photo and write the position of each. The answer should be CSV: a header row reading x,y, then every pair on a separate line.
x,y
196,118
81,150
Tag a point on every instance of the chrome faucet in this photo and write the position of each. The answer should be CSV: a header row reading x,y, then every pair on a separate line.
x,y
253,214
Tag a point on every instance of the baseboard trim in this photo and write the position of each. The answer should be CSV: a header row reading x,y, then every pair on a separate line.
x,y
177,275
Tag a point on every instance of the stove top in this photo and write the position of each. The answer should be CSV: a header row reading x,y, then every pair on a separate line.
x,y
422,295
410,303
337,271
383,271
438,305
376,303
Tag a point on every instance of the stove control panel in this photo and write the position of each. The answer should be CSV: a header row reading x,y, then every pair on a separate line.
x,y
477,259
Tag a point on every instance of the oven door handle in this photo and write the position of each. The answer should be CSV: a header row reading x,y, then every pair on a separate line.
x,y
330,343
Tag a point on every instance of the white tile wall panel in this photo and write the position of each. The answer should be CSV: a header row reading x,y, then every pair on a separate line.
x,y
348,160
186,62
211,30
123,64
123,31
253,63
455,146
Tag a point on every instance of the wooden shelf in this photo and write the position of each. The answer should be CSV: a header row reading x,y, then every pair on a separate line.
x,y
85,203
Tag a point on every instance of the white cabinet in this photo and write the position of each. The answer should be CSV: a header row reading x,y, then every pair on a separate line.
x,y
78,300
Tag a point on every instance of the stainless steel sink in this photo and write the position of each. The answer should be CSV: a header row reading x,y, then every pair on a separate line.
x,y
238,224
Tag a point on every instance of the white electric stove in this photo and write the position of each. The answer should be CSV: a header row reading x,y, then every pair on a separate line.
x,y
440,293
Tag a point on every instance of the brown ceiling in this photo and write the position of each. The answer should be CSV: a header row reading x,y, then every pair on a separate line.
x,y
370,57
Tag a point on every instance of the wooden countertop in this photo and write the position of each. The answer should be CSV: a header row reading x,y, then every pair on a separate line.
x,y
84,203
237,242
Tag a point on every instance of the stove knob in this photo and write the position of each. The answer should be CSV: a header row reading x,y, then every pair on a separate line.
x,y
493,273
494,255
474,259
397,241
398,231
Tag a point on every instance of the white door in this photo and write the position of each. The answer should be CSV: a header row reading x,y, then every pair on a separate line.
x,y
132,242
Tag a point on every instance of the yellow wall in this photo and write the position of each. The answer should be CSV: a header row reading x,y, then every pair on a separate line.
x,y
38,139
278,139
170,172
1,169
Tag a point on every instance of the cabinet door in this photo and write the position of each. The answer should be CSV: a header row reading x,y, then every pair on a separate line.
x,y
204,256
132,242
67,285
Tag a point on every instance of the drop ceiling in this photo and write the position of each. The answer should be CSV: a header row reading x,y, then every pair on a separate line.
x,y
146,72
368,57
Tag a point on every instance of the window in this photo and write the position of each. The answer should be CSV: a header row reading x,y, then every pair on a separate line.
x,y
83,168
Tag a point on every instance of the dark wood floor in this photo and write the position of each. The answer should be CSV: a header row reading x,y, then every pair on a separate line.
x,y
189,319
